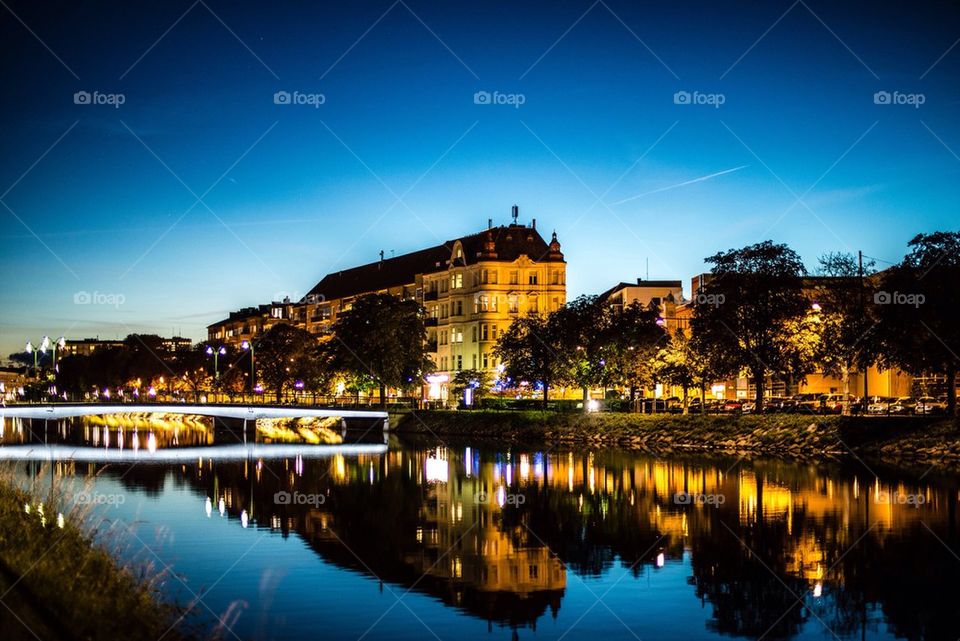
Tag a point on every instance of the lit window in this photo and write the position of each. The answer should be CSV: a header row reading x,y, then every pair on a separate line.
x,y
532,278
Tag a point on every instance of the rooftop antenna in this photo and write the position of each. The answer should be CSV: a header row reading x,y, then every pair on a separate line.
x,y
515,213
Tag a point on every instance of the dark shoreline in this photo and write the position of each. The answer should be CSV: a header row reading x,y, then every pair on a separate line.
x,y
902,440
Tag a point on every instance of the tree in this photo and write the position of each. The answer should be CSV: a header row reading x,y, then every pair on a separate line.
x,y
530,352
285,354
846,328
917,307
633,337
747,306
475,379
383,337
677,364
582,331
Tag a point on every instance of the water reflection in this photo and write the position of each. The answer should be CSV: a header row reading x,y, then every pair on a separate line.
x,y
765,548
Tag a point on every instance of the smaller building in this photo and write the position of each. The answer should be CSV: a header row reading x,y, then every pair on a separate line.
x,y
86,346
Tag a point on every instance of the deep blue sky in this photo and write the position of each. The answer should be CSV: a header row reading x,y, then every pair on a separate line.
x,y
308,190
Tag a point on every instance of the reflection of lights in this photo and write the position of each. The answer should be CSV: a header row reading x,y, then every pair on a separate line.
x,y
208,507
524,467
221,506
436,470
661,559
151,443
244,519
817,590
501,496
468,461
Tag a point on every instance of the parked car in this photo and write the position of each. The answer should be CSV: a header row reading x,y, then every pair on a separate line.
x,y
833,403
903,405
929,405
748,407
809,403
879,405
732,406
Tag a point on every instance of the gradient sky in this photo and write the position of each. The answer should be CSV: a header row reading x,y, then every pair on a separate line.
x,y
103,199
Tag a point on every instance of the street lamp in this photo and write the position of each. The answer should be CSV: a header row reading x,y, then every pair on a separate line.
x,y
253,372
216,353
45,344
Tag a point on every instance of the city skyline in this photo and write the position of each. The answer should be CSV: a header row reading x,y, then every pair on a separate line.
x,y
198,185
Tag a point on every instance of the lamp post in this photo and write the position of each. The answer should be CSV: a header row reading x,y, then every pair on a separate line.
x,y
45,344
253,372
216,353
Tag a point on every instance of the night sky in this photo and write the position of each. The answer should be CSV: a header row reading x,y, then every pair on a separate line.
x,y
199,195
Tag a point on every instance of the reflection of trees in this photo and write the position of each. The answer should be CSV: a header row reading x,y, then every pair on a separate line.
x,y
748,598
799,528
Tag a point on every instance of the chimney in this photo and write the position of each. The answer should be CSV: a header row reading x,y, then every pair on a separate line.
x,y
515,212
489,223
534,223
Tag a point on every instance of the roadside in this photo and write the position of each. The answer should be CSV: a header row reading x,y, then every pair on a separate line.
x,y
934,441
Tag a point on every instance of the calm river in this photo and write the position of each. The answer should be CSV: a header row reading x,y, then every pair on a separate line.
x,y
462,540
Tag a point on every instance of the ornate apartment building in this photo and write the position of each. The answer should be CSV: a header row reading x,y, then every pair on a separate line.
x,y
471,288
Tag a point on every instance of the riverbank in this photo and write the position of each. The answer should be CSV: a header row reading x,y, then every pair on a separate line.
x,y
925,440
58,585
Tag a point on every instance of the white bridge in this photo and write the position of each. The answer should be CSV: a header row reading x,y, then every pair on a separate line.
x,y
65,410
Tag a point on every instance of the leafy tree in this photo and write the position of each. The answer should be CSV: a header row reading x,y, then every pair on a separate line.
x,y
846,326
918,305
633,337
286,354
477,379
530,351
383,337
677,364
582,331
746,309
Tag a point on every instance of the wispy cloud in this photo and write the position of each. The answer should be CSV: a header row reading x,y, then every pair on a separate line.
x,y
681,184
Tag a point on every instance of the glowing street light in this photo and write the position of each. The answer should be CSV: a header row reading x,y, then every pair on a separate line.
x,y
253,372
216,353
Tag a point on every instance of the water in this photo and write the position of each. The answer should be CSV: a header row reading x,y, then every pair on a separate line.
x,y
462,540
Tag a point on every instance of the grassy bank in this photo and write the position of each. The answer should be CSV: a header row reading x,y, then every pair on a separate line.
x,y
777,434
57,585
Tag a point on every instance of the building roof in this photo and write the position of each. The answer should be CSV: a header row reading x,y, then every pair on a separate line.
x,y
509,242
641,283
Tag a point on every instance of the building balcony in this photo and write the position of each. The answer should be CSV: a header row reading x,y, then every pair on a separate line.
x,y
430,322
430,296
432,347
